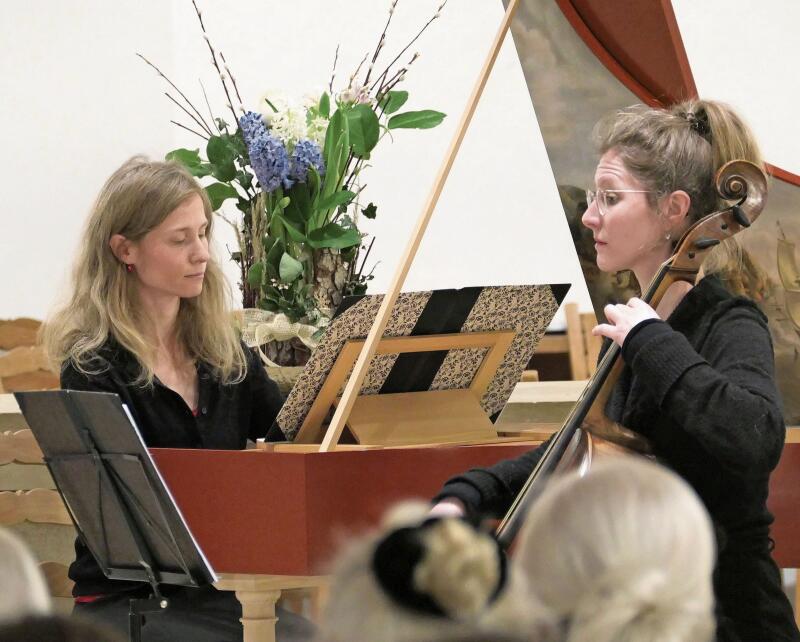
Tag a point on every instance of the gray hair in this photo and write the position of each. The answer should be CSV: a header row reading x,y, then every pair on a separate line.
x,y
23,591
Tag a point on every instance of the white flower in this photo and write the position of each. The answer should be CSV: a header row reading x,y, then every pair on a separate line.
x,y
317,129
289,126
278,100
356,93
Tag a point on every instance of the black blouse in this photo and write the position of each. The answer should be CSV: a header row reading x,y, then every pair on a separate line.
x,y
226,417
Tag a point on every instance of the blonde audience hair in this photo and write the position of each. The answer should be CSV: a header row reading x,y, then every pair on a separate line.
x,y
624,554
420,580
23,591
135,199
681,148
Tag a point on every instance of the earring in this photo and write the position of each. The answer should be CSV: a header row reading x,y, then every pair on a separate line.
x,y
129,267
668,236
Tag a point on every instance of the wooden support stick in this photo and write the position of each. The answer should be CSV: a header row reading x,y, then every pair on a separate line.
x,y
382,318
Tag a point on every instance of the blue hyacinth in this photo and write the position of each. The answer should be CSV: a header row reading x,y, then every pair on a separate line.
x,y
269,161
268,156
306,154
251,124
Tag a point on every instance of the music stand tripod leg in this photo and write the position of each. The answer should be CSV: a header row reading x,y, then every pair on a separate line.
x,y
156,603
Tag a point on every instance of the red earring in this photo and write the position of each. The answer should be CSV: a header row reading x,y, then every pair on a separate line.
x,y
129,267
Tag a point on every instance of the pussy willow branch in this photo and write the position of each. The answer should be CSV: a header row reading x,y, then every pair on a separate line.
x,y
189,114
333,71
214,61
379,81
176,88
231,76
210,112
189,129
381,41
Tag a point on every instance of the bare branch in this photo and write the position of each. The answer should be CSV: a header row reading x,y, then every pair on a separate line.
x,y
189,114
333,71
214,61
189,129
175,87
406,48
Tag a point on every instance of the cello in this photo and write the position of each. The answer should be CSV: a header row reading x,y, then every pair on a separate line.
x,y
587,433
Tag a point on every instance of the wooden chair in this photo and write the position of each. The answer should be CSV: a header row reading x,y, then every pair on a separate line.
x,y
578,343
30,506
24,366
584,347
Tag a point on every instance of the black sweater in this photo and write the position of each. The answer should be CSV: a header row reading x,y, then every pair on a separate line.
x,y
701,387
227,415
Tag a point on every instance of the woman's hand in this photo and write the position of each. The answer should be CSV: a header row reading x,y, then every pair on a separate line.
x,y
622,319
448,507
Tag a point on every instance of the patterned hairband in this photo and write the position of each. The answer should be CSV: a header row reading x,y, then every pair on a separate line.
x,y
699,123
395,559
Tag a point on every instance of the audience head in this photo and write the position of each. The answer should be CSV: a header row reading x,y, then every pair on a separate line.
x,y
423,579
22,587
623,554
55,628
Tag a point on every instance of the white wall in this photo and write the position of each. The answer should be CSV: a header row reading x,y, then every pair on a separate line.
x,y
77,102
747,54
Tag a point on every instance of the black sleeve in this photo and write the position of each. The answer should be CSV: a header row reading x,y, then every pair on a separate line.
x,y
727,398
489,492
265,397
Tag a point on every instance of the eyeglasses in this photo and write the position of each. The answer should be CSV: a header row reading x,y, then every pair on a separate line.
x,y
607,198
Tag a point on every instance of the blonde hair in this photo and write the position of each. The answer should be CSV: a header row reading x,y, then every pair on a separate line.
x,y
23,590
624,554
682,148
457,571
103,303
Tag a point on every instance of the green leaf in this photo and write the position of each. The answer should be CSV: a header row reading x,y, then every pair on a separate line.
x,y
364,129
269,306
299,209
335,200
337,149
425,119
313,181
332,135
275,252
221,153
333,235
190,159
245,179
370,211
393,101
296,235
325,105
244,206
218,193
254,274
187,157
290,268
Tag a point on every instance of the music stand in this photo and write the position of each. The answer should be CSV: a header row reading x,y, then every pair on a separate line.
x,y
445,366
121,508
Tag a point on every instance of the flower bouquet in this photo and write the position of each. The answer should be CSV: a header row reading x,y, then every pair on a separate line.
x,y
295,175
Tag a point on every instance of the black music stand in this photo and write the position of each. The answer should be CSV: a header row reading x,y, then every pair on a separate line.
x,y
122,509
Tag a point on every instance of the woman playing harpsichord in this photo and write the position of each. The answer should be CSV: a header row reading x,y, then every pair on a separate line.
x,y
147,319
698,379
